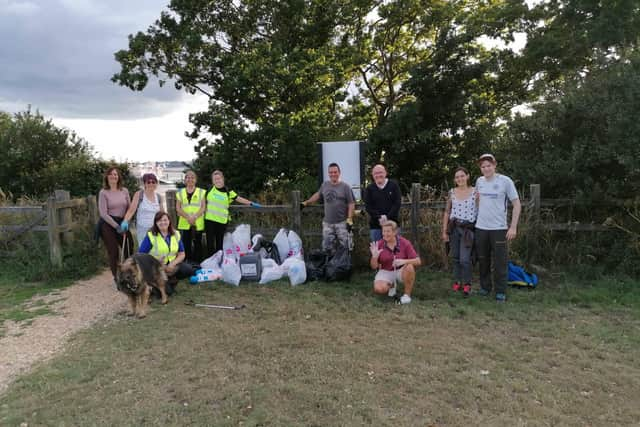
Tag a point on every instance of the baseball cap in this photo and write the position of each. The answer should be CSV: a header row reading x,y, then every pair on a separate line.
x,y
487,156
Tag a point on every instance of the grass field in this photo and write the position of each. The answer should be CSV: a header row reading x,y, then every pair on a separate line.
x,y
334,354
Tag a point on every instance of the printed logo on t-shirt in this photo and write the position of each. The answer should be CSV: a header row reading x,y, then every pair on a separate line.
x,y
489,195
331,196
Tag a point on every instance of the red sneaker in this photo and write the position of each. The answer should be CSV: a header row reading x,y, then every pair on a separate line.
x,y
466,289
456,287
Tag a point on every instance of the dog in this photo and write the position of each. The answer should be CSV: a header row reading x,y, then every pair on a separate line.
x,y
135,278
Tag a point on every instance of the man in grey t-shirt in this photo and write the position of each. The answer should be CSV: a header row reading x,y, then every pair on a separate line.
x,y
492,234
339,205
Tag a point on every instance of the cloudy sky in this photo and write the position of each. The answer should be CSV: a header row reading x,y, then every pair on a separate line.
x,y
57,56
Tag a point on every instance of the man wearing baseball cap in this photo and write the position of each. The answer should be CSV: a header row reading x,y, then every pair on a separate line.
x,y
492,233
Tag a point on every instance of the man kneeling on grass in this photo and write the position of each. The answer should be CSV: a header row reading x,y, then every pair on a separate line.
x,y
396,260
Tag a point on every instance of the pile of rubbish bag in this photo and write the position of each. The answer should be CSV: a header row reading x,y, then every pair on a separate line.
x,y
255,258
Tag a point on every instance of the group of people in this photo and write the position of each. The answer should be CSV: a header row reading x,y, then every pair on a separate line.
x,y
475,218
199,211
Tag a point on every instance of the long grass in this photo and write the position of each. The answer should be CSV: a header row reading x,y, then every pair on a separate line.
x,y
334,354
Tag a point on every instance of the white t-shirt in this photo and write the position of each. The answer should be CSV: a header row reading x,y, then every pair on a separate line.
x,y
492,210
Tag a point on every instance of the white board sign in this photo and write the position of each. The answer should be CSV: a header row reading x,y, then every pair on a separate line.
x,y
347,155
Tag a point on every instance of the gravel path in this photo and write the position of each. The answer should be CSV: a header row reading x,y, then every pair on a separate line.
x,y
75,308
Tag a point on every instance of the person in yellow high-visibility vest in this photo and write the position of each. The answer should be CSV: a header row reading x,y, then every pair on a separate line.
x,y
216,216
190,207
164,244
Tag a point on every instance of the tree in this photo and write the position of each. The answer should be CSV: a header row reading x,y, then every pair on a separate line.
x,y
283,75
567,39
461,94
585,144
40,157
274,73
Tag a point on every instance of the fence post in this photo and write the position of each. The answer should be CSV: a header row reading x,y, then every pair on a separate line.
x,y
64,215
55,250
415,211
92,210
534,189
171,207
533,220
296,213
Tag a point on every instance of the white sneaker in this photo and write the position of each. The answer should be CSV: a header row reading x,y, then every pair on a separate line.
x,y
405,299
392,291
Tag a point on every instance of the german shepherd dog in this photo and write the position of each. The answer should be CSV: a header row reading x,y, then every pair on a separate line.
x,y
135,277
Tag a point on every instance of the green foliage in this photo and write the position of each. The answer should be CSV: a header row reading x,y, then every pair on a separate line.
x,y
567,38
272,70
27,259
39,157
460,97
284,75
585,144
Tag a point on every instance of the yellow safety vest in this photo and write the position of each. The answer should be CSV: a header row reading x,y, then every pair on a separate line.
x,y
159,248
190,208
218,205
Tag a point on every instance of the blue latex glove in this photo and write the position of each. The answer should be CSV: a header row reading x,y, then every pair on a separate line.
x,y
256,205
124,225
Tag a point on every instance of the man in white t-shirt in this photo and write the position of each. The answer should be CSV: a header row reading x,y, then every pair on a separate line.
x,y
492,234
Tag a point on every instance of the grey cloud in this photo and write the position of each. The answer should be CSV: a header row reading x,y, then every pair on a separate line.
x,y
57,56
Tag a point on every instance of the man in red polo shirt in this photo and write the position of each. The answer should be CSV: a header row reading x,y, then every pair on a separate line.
x,y
396,261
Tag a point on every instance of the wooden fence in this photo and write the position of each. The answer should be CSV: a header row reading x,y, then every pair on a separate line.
x,y
58,221
55,217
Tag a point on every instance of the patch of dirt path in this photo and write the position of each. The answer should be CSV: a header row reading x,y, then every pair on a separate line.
x,y
74,308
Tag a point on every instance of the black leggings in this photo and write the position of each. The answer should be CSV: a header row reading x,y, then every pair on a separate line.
x,y
192,241
215,234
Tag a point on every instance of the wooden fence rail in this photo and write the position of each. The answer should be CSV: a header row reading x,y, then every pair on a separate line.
x,y
59,220
60,227
532,208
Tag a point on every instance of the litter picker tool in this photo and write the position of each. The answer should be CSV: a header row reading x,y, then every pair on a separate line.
x,y
222,307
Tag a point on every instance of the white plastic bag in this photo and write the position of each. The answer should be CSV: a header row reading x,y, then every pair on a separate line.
x,y
295,244
286,265
282,243
231,271
270,274
242,239
228,247
268,263
213,261
297,272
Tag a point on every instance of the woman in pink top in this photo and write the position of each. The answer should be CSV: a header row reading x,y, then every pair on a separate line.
x,y
396,261
113,202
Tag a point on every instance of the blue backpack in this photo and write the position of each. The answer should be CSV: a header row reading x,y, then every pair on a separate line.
x,y
521,278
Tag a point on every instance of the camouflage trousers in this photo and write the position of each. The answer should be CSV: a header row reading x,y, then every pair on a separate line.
x,y
334,236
